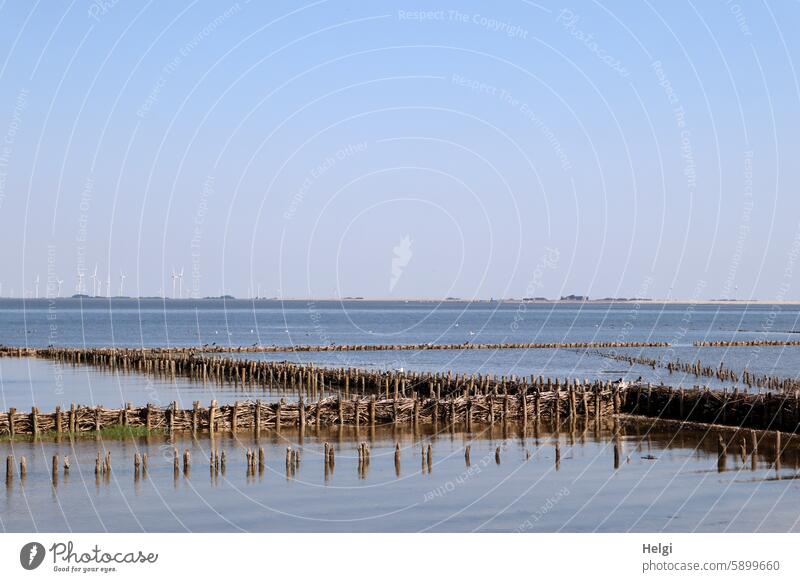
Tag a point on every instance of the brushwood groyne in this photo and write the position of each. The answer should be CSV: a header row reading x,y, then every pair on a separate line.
x,y
353,396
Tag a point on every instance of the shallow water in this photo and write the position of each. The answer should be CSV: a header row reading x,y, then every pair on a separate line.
x,y
667,481
27,382
157,322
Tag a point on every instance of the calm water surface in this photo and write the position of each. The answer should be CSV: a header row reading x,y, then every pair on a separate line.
x,y
666,481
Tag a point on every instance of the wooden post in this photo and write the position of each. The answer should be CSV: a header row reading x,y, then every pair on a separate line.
x,y
173,411
429,458
211,417
11,412
58,420
397,459
558,454
597,404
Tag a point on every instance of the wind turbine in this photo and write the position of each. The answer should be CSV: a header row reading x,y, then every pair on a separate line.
x,y
174,280
36,287
121,282
93,277
80,282
108,285
180,284
60,282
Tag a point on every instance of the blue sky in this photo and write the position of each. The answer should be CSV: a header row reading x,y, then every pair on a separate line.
x,y
389,149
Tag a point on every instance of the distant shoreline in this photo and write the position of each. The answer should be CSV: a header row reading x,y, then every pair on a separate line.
x,y
454,300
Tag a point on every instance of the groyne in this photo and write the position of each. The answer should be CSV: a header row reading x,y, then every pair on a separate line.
x,y
353,396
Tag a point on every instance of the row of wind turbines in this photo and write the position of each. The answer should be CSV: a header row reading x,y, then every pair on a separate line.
x,y
97,284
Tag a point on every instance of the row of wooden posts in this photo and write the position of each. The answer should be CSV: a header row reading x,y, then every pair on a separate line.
x,y
256,458
696,368
721,372
592,400
257,348
387,397
595,400
744,343
312,380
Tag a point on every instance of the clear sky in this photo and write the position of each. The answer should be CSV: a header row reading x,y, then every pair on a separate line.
x,y
393,149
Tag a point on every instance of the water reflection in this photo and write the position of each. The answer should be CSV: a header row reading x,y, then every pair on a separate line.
x,y
618,474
